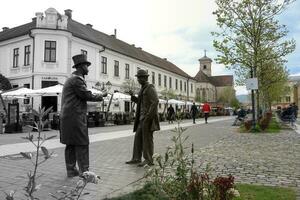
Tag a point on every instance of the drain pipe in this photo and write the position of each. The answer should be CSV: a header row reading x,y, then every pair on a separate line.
x,y
32,65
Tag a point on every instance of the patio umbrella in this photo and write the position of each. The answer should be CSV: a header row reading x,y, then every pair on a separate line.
x,y
174,101
121,96
55,91
162,101
48,91
18,93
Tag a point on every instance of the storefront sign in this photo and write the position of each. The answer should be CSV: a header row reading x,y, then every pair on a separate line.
x,y
49,78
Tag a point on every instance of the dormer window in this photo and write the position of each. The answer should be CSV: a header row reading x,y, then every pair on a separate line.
x,y
204,67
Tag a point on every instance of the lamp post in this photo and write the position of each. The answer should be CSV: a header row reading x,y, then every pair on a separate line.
x,y
108,86
253,101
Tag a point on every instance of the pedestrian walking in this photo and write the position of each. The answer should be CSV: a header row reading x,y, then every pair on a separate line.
x,y
146,121
206,110
170,114
295,108
73,126
194,111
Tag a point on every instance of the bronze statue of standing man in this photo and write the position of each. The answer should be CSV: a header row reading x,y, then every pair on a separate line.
x,y
73,124
146,121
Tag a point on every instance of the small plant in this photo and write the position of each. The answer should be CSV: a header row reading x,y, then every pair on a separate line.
x,y
77,192
35,159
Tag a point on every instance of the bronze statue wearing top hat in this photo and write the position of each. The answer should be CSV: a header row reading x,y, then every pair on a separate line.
x,y
73,126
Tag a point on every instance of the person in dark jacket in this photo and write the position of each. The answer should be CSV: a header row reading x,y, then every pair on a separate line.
x,y
146,121
194,111
73,126
170,114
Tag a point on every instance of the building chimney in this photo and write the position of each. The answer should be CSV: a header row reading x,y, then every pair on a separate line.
x,y
89,25
113,36
33,19
133,45
165,59
5,28
68,13
115,33
140,48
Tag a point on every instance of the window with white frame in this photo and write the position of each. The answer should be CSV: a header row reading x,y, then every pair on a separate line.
x,y
50,51
184,86
159,79
16,57
180,86
26,55
116,68
191,87
165,81
153,78
170,82
127,71
176,84
103,65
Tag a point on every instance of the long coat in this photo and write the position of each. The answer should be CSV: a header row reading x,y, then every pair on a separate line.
x,y
150,100
73,124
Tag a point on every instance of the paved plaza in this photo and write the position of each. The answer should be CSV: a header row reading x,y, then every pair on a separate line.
x,y
268,159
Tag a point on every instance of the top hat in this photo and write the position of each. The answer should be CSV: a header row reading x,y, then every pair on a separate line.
x,y
141,72
79,60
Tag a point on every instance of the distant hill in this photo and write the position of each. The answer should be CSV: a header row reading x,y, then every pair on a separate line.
x,y
243,98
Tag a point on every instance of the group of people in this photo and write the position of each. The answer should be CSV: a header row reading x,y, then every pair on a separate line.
x,y
289,113
194,111
73,126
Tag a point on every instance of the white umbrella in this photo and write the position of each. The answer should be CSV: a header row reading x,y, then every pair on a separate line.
x,y
189,103
18,93
48,91
55,91
119,96
162,101
174,101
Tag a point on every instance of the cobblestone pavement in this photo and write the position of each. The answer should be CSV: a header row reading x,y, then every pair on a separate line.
x,y
270,159
266,159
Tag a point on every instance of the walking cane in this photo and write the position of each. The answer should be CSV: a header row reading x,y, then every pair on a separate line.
x,y
112,95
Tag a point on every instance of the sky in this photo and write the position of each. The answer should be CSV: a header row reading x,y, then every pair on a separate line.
x,y
178,30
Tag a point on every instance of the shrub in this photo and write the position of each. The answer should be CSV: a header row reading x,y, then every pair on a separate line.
x,y
248,124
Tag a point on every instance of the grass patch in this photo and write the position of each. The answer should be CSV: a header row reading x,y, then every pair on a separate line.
x,y
257,192
274,126
247,192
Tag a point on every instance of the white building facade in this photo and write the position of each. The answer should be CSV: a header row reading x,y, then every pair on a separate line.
x,y
39,54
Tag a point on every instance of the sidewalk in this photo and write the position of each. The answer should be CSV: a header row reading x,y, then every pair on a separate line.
x,y
17,144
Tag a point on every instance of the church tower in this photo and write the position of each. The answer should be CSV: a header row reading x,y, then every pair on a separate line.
x,y
205,64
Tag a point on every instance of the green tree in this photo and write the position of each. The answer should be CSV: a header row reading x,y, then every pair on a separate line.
x,y
4,83
227,96
251,36
130,85
273,82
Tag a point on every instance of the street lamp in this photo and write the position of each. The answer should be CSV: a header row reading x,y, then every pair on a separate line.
x,y
108,85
